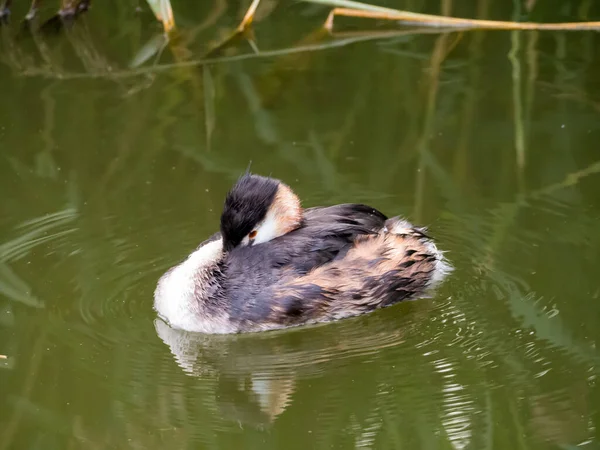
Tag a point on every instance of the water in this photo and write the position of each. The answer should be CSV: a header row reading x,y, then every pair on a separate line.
x,y
110,175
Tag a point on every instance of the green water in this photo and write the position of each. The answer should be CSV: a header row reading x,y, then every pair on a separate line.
x,y
111,174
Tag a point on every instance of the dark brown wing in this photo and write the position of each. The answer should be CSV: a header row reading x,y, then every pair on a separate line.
x,y
250,273
377,271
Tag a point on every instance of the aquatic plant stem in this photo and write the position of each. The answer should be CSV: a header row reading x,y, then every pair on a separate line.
x,y
532,75
470,104
509,211
441,50
570,180
519,137
241,31
357,9
248,17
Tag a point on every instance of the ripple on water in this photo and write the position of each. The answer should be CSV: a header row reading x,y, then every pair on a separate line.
x,y
423,355
303,349
113,276
274,362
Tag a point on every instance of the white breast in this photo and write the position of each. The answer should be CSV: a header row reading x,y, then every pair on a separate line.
x,y
178,298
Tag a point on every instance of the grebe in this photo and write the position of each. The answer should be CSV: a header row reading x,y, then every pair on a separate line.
x,y
276,265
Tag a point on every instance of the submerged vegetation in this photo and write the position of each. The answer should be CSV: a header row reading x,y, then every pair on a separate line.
x,y
178,40
120,134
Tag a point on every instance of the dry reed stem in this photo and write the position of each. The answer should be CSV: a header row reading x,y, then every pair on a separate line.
x,y
249,17
431,20
241,31
169,21
164,13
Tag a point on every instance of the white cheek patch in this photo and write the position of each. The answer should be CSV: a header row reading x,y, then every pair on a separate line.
x,y
268,229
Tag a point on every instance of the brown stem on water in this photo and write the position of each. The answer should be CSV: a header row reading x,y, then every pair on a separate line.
x,y
249,17
409,18
340,40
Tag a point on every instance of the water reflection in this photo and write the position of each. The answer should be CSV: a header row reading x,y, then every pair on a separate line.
x,y
494,346
259,371
455,339
459,374
111,176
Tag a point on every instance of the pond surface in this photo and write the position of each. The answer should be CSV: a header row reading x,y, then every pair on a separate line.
x,y
113,166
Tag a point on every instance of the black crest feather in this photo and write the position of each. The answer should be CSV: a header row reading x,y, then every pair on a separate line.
x,y
246,205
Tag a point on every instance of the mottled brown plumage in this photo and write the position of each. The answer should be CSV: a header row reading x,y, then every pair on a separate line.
x,y
377,271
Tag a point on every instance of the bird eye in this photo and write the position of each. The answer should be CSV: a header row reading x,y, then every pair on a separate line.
x,y
252,234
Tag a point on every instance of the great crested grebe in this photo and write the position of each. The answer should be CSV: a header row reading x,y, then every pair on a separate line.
x,y
275,265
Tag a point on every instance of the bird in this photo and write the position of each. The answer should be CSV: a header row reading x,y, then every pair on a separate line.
x,y
276,265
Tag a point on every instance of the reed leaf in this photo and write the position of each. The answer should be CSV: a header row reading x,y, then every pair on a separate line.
x,y
153,47
164,13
